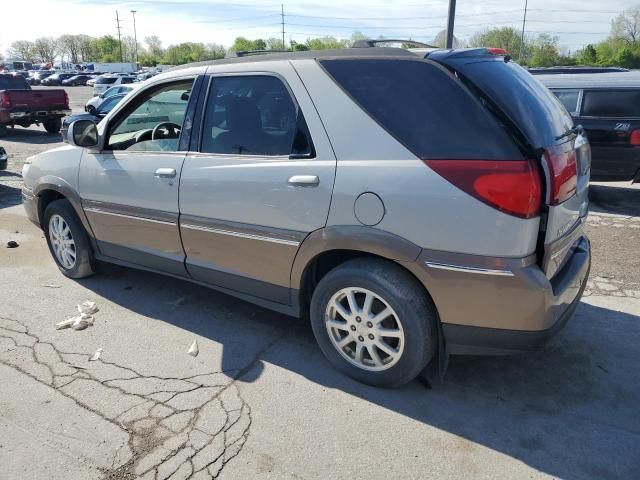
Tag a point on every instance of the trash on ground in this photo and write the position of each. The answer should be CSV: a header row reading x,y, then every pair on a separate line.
x,y
88,307
51,285
82,322
96,355
12,244
193,349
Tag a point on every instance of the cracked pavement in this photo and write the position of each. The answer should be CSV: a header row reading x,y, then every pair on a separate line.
x,y
260,401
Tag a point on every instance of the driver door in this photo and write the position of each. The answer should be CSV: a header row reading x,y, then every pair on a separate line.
x,y
129,190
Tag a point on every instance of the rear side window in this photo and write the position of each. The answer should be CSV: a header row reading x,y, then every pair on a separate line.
x,y
570,99
9,82
424,108
106,80
253,115
612,103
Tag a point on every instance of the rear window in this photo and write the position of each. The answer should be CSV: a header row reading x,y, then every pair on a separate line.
x,y
106,80
569,98
612,103
535,111
424,108
9,82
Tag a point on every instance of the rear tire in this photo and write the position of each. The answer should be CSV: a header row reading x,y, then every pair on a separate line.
x,y
349,324
52,125
67,240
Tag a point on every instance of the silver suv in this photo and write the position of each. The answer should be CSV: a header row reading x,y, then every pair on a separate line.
x,y
410,207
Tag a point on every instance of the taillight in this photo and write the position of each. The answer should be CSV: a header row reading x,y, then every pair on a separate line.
x,y
497,51
511,186
634,138
5,100
563,172
66,99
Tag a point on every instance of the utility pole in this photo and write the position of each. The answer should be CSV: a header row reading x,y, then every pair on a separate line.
x,y
282,15
135,34
524,21
119,37
450,22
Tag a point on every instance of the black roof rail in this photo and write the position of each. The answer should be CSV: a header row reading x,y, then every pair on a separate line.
x,y
247,53
370,43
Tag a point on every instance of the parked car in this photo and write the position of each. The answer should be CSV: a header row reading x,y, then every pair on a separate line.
x,y
334,186
56,79
95,115
4,159
607,105
76,80
39,76
94,102
106,81
19,105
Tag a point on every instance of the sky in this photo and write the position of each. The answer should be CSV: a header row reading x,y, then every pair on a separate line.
x,y
575,22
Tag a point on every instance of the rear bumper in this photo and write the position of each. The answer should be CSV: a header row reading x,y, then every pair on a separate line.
x,y
503,306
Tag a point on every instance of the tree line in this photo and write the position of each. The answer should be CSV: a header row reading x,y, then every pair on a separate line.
x,y
620,48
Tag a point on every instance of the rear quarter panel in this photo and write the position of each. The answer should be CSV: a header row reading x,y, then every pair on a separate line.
x,y
419,205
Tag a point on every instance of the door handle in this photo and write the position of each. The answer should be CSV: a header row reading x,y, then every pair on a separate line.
x,y
165,173
304,180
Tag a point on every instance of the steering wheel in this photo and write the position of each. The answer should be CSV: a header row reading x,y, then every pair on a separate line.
x,y
172,130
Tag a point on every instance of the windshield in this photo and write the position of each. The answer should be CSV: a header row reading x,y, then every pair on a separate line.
x,y
108,104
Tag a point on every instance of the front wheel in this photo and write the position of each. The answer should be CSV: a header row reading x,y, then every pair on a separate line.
x,y
52,125
67,240
374,322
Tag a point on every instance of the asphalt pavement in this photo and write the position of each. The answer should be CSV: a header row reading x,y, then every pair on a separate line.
x,y
260,401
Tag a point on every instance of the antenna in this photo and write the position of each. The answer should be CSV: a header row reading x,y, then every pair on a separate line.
x,y
119,37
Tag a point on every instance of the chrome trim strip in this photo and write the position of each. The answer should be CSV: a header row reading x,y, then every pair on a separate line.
x,y
240,235
481,271
132,217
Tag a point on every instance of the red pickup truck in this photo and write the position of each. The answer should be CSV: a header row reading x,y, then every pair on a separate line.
x,y
19,105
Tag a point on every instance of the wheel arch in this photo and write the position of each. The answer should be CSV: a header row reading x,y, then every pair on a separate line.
x,y
52,188
329,247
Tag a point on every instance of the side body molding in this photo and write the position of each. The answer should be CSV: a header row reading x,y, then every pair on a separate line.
x,y
351,237
60,185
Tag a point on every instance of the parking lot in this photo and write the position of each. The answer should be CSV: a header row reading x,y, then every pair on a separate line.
x,y
260,400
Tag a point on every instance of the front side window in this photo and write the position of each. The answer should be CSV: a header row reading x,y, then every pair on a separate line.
x,y
152,121
253,115
570,99
106,80
611,103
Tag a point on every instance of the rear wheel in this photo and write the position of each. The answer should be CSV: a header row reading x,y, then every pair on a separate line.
x,y
374,322
52,125
67,239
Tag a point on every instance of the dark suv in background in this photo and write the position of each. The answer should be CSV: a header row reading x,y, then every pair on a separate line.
x,y
607,105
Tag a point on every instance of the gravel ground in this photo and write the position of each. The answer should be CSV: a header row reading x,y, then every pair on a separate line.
x,y
260,401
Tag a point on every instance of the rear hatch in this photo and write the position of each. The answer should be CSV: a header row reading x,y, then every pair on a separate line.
x,y
545,132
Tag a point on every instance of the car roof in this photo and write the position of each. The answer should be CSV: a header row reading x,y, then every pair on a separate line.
x,y
309,54
592,80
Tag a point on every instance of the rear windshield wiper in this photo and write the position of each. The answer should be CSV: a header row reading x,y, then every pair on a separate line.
x,y
577,130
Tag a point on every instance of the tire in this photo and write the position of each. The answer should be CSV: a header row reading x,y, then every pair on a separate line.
x,y
414,315
53,125
83,264
3,130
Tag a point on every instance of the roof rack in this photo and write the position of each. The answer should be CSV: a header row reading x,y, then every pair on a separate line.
x,y
248,53
369,43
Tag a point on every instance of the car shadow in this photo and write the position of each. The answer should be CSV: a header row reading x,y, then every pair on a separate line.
x,y
9,195
569,410
31,135
614,199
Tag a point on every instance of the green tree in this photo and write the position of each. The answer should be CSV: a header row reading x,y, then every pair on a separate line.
x,y
242,44
505,37
544,51
326,43
106,49
21,50
588,56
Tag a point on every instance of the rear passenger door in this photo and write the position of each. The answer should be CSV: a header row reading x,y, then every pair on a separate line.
x,y
258,184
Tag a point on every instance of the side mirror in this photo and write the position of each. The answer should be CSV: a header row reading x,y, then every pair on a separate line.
x,y
83,133
92,110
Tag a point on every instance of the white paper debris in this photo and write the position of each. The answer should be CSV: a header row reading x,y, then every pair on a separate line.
x,y
87,307
65,323
82,322
96,355
193,349
51,285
